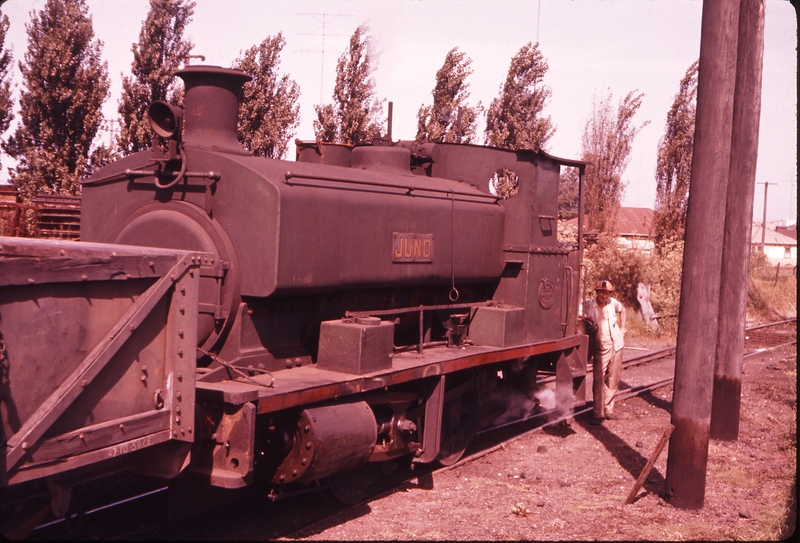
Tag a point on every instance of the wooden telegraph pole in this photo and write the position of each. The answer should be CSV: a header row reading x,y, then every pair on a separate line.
x,y
726,401
764,219
702,258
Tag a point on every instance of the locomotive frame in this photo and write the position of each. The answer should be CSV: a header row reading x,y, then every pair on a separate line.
x,y
358,305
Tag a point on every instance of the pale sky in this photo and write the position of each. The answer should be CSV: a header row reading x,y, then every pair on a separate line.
x,y
591,46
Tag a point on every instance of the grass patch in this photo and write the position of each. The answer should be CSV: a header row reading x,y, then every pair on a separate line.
x,y
790,438
738,478
772,291
641,335
771,521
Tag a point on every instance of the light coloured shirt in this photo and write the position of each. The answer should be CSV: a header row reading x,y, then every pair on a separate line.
x,y
608,331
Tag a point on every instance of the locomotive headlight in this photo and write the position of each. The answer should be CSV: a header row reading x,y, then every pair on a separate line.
x,y
165,119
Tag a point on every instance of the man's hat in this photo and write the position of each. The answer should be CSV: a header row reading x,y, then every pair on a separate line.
x,y
605,286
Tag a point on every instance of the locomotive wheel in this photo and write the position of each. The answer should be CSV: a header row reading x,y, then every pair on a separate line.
x,y
457,429
354,486
20,522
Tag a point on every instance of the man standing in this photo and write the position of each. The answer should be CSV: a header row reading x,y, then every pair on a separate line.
x,y
607,315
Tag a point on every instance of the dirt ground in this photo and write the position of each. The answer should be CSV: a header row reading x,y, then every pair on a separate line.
x,y
571,482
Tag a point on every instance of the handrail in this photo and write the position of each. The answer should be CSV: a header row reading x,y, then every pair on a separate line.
x,y
409,189
129,173
421,309
568,295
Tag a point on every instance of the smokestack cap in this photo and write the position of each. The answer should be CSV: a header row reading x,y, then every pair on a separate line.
x,y
211,104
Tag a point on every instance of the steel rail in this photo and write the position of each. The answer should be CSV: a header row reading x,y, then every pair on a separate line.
x,y
768,349
635,361
102,508
670,350
777,323
629,393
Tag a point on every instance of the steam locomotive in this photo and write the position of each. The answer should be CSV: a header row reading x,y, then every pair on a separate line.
x,y
235,320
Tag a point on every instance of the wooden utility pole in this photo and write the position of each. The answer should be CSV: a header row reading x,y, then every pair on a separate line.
x,y
764,218
702,258
726,403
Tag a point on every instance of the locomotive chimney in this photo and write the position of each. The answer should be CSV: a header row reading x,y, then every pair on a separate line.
x,y
211,104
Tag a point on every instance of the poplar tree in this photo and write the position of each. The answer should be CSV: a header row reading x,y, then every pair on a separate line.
x,y
159,53
568,193
606,144
514,119
270,111
354,117
6,104
449,119
65,84
674,166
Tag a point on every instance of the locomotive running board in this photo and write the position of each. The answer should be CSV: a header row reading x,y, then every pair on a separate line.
x,y
308,384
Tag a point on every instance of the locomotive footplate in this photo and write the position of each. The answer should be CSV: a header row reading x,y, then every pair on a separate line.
x,y
442,380
309,384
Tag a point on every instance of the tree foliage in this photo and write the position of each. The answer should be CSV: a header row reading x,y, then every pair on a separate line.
x,y
674,166
156,57
625,268
606,144
568,193
504,183
65,84
355,114
269,113
6,104
449,119
514,119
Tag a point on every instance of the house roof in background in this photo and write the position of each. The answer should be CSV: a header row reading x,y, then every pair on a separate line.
x,y
636,221
772,237
790,231
631,221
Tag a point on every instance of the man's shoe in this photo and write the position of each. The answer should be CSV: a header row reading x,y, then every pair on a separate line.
x,y
596,421
612,416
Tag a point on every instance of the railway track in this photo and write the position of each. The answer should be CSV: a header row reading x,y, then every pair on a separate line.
x,y
146,507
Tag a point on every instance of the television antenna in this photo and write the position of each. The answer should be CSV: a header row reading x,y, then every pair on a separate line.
x,y
112,128
324,19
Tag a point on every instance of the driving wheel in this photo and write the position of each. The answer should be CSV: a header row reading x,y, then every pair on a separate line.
x,y
457,429
354,486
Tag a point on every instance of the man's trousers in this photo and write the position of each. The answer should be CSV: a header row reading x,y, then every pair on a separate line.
x,y
607,366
